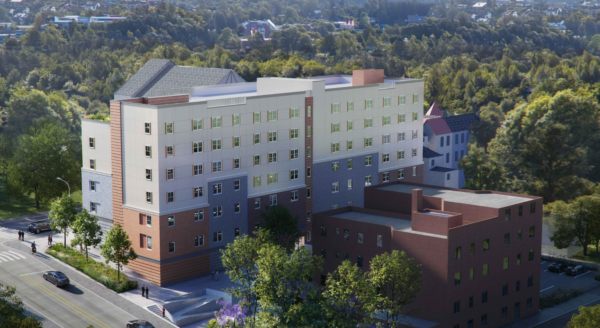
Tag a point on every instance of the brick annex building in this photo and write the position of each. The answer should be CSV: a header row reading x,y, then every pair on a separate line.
x,y
479,251
192,156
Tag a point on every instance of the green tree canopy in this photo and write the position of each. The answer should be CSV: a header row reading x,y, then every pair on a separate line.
x,y
576,221
588,317
62,215
87,231
12,310
117,248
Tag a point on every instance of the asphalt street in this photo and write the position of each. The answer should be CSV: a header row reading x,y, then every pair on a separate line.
x,y
551,281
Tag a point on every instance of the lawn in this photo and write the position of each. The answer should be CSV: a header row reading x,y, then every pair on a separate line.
x,y
16,208
95,270
591,257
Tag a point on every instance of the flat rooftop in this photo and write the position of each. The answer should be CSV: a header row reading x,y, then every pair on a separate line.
x,y
487,200
395,223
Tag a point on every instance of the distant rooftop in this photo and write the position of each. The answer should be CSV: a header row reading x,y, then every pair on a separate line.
x,y
484,199
463,122
395,223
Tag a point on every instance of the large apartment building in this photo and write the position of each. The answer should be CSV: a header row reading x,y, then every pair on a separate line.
x,y
479,251
185,174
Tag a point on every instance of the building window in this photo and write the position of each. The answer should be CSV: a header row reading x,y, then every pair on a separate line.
x,y
529,303
293,133
93,207
308,192
217,211
456,156
169,150
256,203
236,207
236,142
294,174
148,220
414,152
335,166
484,297
350,106
505,264
400,174
294,154
272,200
485,269
519,234
359,261
256,181
199,241
149,174
169,128
335,187
531,255
350,125
531,231
335,147
236,163
256,159
197,147
335,207
484,320
346,234
323,231
217,166
170,174
415,116
415,134
323,253
293,112
335,127
309,131
147,128
530,281
92,164
415,98
401,100
401,136
486,245
386,176
386,102
518,286
507,214
471,274
369,104
236,232
294,195
272,115
216,122
198,192
368,160
368,180
379,241
171,220
308,152
236,119
457,278
456,139
504,312
199,215
197,169
470,302
272,178
506,238
308,172
531,208
92,142
520,210
257,138
457,307
349,144
519,259
385,158
386,139
414,171
308,216
272,158
92,185
218,236
149,242
368,123
368,142
448,176
273,136
170,196
387,120
148,197
256,118
349,164
216,144
217,188
359,237
457,253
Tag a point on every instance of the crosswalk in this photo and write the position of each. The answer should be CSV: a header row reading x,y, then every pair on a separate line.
x,y
10,256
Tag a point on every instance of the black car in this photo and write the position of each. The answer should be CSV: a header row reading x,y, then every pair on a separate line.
x,y
39,226
57,278
556,267
139,324
574,271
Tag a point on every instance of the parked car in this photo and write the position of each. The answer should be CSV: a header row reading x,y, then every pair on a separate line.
x,y
39,226
139,324
574,271
557,267
57,278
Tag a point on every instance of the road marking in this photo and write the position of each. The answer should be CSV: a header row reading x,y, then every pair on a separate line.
x,y
65,302
583,274
41,314
19,255
10,256
561,274
6,257
26,274
543,262
546,289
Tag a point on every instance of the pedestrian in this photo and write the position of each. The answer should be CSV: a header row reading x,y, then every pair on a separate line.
x,y
33,248
19,234
212,274
217,275
147,291
48,240
163,311
143,290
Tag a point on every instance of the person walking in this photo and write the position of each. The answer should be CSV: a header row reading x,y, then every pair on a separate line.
x,y
217,275
32,248
163,311
143,290
212,273
48,240
147,291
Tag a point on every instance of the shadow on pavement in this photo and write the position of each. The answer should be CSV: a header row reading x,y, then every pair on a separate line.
x,y
73,290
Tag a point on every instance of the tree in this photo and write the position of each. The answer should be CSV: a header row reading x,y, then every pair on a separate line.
x,y
575,222
117,248
481,172
588,317
239,259
12,310
45,152
491,119
62,215
87,231
397,279
282,224
349,297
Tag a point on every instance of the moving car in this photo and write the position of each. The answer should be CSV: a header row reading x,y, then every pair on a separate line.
x,y
57,278
39,226
139,324
574,271
556,267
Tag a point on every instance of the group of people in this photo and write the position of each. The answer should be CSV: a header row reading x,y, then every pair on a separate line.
x,y
21,235
215,274
33,247
145,291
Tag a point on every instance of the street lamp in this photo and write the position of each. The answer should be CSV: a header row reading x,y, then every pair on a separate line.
x,y
58,178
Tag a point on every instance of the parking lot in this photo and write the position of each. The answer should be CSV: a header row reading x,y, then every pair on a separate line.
x,y
551,281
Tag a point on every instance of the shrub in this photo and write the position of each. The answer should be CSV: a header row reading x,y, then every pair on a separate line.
x,y
95,270
559,296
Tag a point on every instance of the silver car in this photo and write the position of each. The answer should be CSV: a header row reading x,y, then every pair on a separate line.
x,y
39,226
57,278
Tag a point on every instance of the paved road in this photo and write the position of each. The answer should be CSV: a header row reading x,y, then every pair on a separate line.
x,y
74,306
562,321
550,281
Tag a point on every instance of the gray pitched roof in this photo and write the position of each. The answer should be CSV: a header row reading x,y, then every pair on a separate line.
x,y
459,123
160,75
428,153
